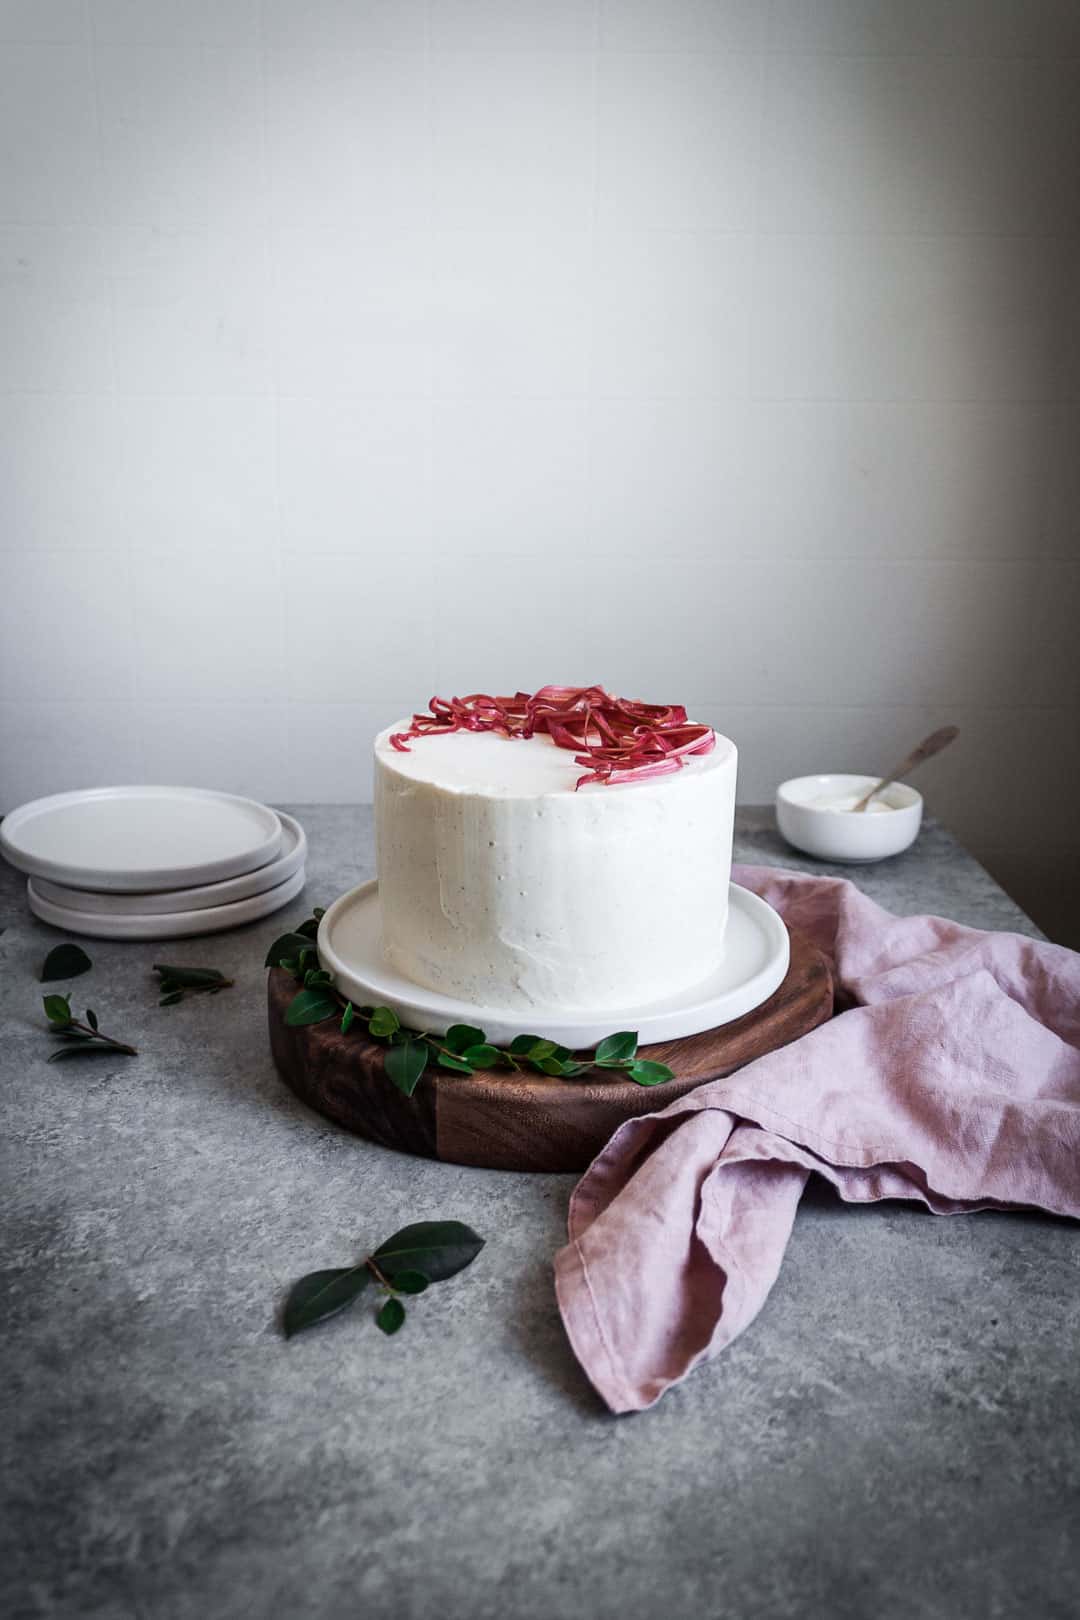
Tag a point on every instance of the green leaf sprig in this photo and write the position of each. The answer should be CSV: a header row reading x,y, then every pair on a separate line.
x,y
178,982
80,1039
462,1050
407,1263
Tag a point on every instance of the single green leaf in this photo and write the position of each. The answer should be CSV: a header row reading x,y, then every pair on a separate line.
x,y
438,1249
57,1009
647,1073
410,1282
446,1060
321,1294
616,1048
188,977
65,961
347,1017
541,1049
383,1021
391,1316
549,1065
310,928
287,945
310,1007
87,1049
171,998
91,1018
405,1064
460,1036
522,1045
482,1057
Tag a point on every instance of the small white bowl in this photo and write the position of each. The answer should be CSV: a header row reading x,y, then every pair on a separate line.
x,y
845,835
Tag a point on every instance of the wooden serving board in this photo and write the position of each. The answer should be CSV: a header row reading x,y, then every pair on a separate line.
x,y
505,1121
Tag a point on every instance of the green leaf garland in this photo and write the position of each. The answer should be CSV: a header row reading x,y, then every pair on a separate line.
x,y
464,1048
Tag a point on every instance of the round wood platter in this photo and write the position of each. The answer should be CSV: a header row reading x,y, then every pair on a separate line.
x,y
505,1121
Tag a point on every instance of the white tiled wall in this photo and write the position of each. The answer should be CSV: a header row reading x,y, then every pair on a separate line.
x,y
720,350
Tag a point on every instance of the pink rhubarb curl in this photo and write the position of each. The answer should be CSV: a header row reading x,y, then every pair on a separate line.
x,y
618,739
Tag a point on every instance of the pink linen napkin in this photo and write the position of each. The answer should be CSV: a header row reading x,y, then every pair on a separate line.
x,y
954,1079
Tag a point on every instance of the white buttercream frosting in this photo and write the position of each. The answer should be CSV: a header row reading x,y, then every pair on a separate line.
x,y
502,886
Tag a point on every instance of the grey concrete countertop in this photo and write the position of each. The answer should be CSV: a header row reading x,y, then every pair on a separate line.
x,y
897,1435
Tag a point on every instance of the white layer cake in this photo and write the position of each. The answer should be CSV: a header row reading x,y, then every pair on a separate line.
x,y
502,886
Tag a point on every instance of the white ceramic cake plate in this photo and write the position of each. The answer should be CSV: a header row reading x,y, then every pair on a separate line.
x,y
135,839
292,858
755,961
165,925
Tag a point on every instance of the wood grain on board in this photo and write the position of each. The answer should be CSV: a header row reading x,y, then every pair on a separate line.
x,y
505,1121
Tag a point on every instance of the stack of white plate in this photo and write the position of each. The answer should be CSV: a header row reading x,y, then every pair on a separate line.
x,y
153,862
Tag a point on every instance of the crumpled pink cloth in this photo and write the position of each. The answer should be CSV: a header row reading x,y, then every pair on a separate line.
x,y
954,1080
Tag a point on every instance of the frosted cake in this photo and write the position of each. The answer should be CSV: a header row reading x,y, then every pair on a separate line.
x,y
561,851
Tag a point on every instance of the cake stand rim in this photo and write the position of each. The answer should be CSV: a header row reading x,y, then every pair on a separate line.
x,y
690,1017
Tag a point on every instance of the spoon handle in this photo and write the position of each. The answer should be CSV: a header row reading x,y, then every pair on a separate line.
x,y
929,746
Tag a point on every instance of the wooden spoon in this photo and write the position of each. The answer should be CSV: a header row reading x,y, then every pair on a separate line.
x,y
929,746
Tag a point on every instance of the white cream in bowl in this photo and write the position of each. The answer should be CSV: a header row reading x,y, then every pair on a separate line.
x,y
817,814
848,801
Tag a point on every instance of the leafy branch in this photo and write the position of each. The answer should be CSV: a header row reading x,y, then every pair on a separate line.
x,y
462,1050
407,1263
80,1039
178,982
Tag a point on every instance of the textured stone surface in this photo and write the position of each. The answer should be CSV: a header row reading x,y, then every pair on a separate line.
x,y
897,1435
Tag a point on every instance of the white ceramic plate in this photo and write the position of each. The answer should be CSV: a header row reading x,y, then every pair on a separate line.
x,y
292,858
756,958
165,925
136,839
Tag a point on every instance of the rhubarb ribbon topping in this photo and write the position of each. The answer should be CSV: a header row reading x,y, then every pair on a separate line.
x,y
617,739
